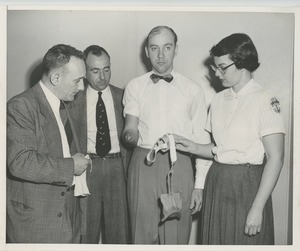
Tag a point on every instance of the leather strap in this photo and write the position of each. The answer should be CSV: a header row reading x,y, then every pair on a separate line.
x,y
164,144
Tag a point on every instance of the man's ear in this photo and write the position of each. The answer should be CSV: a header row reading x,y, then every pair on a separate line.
x,y
146,51
176,49
54,78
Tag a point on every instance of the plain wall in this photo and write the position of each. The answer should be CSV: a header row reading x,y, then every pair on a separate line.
x,y
31,33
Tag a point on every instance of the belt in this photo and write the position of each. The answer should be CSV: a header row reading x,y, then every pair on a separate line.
x,y
107,156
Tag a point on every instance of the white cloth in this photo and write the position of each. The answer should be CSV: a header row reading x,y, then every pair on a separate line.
x,y
81,188
55,104
177,108
92,99
238,121
79,181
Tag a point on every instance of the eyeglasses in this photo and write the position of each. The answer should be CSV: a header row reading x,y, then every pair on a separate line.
x,y
221,69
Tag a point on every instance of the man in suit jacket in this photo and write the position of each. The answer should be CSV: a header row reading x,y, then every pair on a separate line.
x,y
107,203
41,207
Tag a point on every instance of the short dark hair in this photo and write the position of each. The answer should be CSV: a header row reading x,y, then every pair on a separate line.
x,y
58,56
157,29
241,51
95,50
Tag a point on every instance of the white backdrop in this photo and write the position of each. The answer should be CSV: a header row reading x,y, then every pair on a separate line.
x,y
31,33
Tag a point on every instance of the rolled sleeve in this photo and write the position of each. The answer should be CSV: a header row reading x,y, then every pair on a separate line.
x,y
130,101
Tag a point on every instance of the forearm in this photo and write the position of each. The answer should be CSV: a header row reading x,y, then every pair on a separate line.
x,y
130,134
204,151
28,156
274,148
38,168
268,181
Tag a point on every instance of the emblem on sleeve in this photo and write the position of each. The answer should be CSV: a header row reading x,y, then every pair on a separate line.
x,y
275,105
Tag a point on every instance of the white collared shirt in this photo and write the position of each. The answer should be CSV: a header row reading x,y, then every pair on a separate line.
x,y
238,121
177,107
55,104
92,99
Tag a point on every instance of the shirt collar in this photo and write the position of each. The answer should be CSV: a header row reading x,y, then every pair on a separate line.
x,y
248,88
91,91
52,99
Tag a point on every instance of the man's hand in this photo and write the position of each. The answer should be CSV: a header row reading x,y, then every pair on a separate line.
x,y
196,201
80,163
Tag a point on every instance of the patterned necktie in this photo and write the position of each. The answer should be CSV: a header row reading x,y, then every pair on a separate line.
x,y
66,122
103,144
155,78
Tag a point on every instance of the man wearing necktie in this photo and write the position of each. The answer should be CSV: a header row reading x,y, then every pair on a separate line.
x,y
97,112
159,102
41,206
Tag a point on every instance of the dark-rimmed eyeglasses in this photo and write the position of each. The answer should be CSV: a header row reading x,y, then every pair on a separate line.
x,y
221,69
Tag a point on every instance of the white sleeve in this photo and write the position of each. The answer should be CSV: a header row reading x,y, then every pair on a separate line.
x,y
130,100
199,115
271,119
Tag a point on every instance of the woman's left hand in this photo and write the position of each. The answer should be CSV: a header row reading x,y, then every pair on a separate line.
x,y
253,221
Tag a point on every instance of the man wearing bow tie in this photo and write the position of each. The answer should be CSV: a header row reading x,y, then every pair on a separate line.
x,y
159,102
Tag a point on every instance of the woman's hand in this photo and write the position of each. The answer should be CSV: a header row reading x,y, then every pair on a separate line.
x,y
184,145
253,221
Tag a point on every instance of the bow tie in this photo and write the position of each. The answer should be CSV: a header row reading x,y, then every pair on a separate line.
x,y
155,78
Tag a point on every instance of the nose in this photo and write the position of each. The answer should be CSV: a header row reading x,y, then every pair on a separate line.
x,y
101,74
160,54
218,73
81,85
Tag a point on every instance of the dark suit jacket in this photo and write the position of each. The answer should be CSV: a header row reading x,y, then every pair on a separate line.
x,y
79,114
37,175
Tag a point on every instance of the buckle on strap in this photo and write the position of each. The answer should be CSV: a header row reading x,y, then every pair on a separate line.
x,y
163,144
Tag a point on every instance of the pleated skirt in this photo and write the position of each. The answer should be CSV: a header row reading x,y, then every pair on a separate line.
x,y
228,196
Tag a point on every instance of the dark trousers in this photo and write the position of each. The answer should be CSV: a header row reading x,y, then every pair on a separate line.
x,y
107,203
145,185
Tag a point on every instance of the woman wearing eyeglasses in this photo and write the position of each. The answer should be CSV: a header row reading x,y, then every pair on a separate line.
x,y
246,123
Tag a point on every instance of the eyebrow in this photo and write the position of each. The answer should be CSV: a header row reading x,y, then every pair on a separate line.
x,y
76,79
151,45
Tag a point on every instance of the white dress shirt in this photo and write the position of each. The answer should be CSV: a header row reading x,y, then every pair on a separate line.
x,y
55,104
238,121
92,99
177,107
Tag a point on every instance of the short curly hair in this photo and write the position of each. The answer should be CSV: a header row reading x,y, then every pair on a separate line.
x,y
241,51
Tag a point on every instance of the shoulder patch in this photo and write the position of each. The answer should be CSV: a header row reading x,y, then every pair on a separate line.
x,y
275,105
